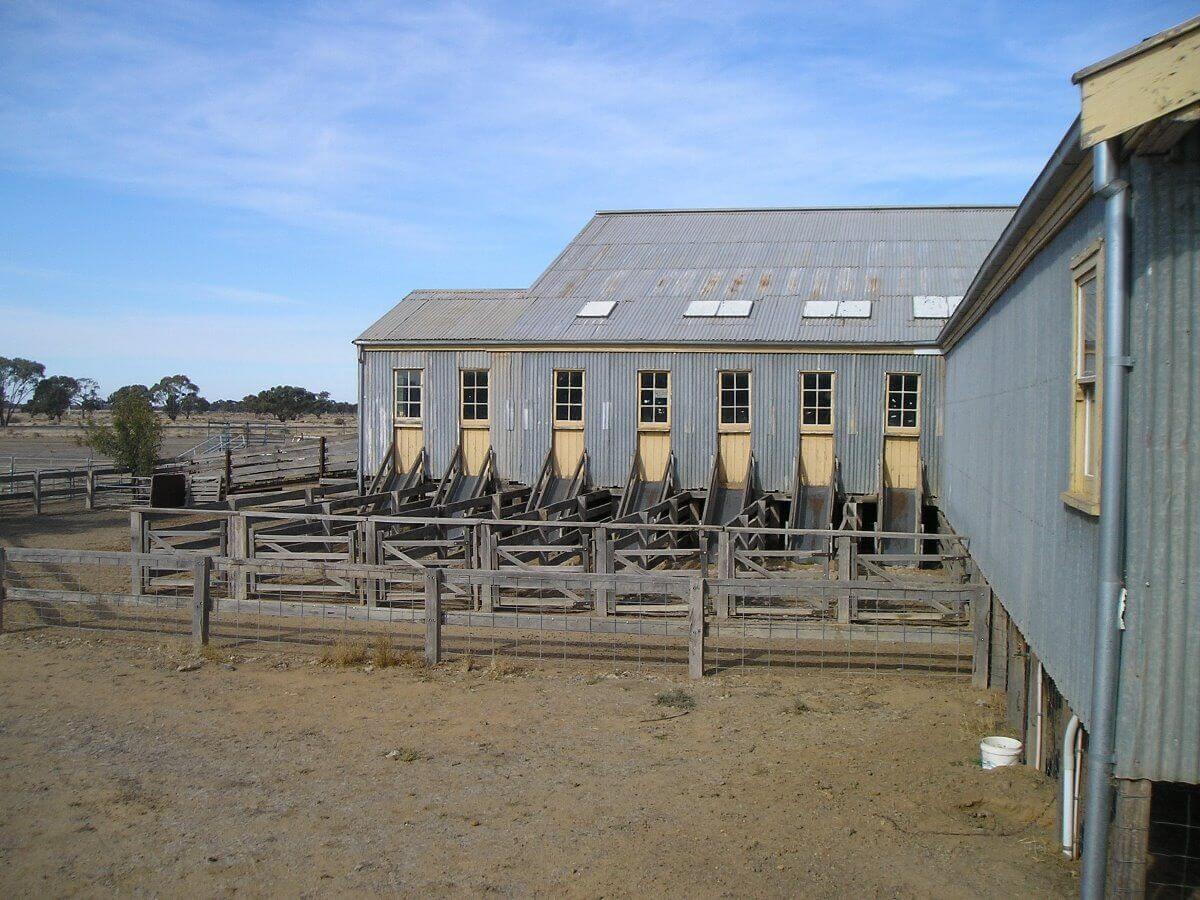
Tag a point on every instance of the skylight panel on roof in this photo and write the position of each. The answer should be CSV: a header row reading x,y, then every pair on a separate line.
x,y
732,309
702,308
596,309
934,307
725,309
837,309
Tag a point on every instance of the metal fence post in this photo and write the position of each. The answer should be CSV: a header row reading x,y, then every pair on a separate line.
x,y
696,628
433,616
201,599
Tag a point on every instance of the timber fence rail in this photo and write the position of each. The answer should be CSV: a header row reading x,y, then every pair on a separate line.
x,y
251,468
218,598
95,486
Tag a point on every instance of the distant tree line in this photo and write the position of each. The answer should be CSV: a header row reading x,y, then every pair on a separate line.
x,y
24,385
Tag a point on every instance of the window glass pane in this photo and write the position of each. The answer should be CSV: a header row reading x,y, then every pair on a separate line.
x,y
1086,293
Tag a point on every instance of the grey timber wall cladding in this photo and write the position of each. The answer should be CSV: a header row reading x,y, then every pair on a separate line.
x,y
521,407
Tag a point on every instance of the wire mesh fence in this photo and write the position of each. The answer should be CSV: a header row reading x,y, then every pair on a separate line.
x,y
698,624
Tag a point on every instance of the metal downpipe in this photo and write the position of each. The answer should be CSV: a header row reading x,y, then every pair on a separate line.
x,y
1107,183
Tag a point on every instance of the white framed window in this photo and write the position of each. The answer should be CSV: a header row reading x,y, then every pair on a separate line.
x,y
1083,487
568,396
474,392
903,401
734,398
816,400
654,398
407,394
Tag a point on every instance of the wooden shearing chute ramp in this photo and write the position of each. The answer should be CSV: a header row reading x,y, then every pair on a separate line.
x,y
815,489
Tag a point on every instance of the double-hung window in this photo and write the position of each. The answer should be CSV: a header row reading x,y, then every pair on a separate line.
x,y
568,396
474,395
1083,488
903,402
816,401
406,394
734,401
654,399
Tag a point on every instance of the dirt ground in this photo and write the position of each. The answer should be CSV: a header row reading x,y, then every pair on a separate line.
x,y
264,772
270,775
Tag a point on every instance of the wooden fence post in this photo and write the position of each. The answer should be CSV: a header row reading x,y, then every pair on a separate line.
x,y
2,593
137,544
321,457
489,558
91,487
981,630
238,540
228,471
603,597
201,599
725,569
37,492
696,628
433,616
370,557
847,569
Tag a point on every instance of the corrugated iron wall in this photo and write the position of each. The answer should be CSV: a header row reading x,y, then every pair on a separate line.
x,y
1006,455
521,408
1159,734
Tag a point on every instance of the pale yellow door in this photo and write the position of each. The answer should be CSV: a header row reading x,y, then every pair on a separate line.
x,y
568,450
410,440
653,450
901,462
733,452
476,439
816,458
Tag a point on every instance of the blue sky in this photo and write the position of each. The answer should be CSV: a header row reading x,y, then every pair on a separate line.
x,y
234,191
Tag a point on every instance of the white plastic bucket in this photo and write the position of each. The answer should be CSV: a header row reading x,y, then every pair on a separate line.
x,y
995,752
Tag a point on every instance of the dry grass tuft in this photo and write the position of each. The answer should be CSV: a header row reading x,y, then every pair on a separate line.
x,y
345,654
503,668
212,654
986,719
676,698
384,655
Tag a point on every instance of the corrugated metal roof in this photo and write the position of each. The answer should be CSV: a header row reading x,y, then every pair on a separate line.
x,y
656,262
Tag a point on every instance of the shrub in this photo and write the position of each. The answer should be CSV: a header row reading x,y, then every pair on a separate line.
x,y
676,699
133,440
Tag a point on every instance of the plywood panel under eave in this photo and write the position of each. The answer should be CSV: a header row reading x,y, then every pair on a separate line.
x,y
1140,89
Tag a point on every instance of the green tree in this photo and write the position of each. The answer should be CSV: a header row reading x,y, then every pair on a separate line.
x,y
52,397
138,390
88,397
170,390
285,402
133,440
189,404
18,378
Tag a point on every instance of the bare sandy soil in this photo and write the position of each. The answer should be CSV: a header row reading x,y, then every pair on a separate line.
x,y
270,776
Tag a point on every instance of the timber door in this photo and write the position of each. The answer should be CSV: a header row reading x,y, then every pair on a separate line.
x,y
653,425
816,427
474,419
409,433
733,427
902,432
568,421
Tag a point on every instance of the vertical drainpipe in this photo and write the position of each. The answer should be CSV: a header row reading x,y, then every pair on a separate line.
x,y
362,444
1107,183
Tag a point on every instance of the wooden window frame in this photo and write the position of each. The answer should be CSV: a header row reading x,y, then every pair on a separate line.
x,y
398,419
902,430
462,397
735,427
1087,392
825,428
569,423
643,425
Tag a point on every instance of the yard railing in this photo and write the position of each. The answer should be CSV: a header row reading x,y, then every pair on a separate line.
x,y
206,597
94,485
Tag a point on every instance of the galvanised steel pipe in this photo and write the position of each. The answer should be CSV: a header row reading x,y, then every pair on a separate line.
x,y
1107,183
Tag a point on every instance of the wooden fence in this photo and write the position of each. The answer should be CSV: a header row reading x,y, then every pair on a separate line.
x,y
209,588
94,485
